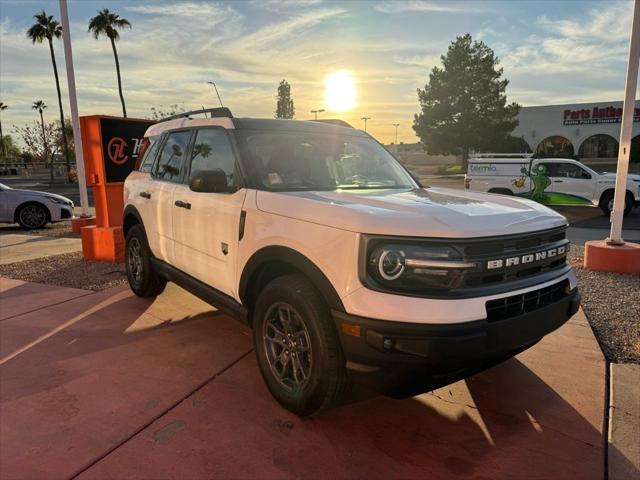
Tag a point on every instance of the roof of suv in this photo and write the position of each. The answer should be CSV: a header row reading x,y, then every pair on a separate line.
x,y
254,124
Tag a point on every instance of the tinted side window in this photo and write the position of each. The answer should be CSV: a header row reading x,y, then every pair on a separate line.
x,y
171,161
150,148
212,150
550,169
569,170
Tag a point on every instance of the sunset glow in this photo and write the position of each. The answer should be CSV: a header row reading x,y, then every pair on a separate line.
x,y
340,91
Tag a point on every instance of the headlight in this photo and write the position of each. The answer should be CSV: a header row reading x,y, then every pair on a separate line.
x,y
59,201
410,267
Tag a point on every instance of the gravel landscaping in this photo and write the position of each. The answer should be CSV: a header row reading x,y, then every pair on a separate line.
x,y
612,304
59,229
67,270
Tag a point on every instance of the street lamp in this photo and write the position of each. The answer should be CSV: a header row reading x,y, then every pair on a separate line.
x,y
396,125
365,122
316,112
216,89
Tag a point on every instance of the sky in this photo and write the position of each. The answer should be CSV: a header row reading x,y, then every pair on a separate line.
x,y
551,51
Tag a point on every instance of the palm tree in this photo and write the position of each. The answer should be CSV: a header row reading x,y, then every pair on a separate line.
x,y
3,106
39,105
108,23
46,28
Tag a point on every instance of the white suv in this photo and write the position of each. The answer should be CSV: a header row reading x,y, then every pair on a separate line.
x,y
344,266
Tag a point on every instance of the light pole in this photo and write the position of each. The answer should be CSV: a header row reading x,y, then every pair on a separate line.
x,y
396,125
216,89
316,112
365,122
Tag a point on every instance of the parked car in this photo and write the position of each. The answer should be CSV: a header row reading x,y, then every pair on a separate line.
x,y
344,266
33,209
551,181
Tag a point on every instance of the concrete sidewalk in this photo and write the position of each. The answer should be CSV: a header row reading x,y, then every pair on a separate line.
x,y
16,247
107,385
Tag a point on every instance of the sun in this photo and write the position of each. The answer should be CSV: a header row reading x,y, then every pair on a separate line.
x,y
340,91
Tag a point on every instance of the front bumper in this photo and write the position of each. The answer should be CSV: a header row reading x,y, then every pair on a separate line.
x,y
403,359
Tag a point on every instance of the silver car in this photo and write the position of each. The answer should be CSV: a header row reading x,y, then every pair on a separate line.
x,y
31,209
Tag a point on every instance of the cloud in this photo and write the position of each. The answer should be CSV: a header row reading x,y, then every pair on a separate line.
x,y
417,6
189,9
284,5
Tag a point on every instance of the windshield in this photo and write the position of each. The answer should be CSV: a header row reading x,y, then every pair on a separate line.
x,y
278,160
4,187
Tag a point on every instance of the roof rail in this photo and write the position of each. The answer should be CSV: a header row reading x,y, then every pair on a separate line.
x,y
213,112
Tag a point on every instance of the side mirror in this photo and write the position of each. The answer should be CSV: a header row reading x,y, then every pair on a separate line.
x,y
209,181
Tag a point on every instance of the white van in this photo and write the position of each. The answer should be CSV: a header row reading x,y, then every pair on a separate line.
x,y
551,181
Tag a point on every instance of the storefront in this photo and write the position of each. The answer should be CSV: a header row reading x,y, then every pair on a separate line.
x,y
589,131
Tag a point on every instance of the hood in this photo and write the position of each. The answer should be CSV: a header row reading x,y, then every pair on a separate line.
x,y
431,212
35,193
630,176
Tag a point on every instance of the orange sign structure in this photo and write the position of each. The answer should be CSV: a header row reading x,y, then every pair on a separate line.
x,y
110,146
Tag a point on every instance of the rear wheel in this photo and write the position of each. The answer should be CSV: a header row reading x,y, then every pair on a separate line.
x,y
143,280
297,347
32,216
606,203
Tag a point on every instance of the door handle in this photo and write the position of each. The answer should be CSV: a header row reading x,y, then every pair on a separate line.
x,y
181,204
146,195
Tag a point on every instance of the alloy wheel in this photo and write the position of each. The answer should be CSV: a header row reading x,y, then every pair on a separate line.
x,y
134,260
33,216
287,346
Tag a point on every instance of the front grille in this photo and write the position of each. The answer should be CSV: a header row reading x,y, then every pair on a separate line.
x,y
64,214
510,247
503,308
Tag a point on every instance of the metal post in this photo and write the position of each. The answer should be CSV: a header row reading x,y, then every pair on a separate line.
x,y
615,237
73,100
365,122
396,125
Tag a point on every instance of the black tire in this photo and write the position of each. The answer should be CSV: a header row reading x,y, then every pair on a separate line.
x,y
319,349
606,203
143,281
32,216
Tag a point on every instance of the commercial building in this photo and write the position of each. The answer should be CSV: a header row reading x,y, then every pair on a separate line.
x,y
588,131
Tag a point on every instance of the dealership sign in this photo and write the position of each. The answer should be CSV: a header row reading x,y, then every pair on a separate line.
x,y
586,116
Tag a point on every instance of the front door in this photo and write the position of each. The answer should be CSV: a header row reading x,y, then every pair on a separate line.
x,y
206,225
570,183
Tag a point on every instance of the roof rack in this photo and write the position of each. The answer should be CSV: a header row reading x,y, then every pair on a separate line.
x,y
219,112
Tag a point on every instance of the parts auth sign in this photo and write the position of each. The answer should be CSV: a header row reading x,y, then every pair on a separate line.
x,y
121,142
586,116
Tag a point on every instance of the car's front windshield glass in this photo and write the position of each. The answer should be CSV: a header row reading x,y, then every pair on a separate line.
x,y
294,160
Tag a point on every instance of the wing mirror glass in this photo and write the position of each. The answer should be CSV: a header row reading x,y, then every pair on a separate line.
x,y
209,181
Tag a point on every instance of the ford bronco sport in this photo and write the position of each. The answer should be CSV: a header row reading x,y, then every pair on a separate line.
x,y
345,267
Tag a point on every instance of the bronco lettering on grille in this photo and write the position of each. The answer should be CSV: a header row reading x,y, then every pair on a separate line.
x,y
522,259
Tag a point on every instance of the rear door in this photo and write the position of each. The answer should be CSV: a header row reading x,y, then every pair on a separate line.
x,y
167,173
206,225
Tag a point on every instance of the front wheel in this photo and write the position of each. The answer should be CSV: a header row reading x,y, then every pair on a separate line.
x,y
297,347
143,280
606,204
32,216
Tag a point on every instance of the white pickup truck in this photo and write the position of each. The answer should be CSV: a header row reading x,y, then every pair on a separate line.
x,y
551,181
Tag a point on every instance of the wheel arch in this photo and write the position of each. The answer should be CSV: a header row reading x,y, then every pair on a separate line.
x,y
612,190
273,261
31,202
130,217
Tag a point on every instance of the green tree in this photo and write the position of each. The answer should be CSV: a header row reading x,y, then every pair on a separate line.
x,y
108,23
464,105
39,106
46,28
9,151
284,105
